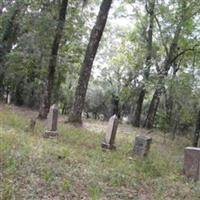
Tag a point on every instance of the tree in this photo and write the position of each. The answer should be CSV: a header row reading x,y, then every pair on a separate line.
x,y
8,38
95,37
52,62
171,55
150,7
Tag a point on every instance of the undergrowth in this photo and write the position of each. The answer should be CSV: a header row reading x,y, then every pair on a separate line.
x,y
74,166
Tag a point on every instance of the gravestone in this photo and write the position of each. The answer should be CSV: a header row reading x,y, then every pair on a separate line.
x,y
52,121
192,163
142,145
109,141
9,99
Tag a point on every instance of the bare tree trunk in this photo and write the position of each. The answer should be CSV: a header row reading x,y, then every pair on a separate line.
x,y
169,104
153,109
138,109
196,132
169,100
52,62
115,106
95,37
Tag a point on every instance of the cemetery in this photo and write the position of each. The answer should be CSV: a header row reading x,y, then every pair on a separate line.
x,y
99,100
74,164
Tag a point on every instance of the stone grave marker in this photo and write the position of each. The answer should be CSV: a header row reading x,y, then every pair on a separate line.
x,y
9,99
142,145
52,121
192,163
109,141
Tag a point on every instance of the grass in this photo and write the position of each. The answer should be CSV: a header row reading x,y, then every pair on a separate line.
x,y
75,167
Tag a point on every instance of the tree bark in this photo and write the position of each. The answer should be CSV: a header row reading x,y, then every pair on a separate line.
x,y
19,94
115,106
153,108
52,62
95,37
138,109
196,132
169,104
169,101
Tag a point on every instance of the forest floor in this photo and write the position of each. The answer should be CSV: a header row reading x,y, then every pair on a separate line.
x,y
75,167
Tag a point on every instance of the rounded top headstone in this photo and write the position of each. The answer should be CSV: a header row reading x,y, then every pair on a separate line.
x,y
114,116
54,107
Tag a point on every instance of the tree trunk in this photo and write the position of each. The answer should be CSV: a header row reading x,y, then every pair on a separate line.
x,y
169,104
115,106
153,109
196,132
149,122
52,62
19,101
169,101
138,109
95,37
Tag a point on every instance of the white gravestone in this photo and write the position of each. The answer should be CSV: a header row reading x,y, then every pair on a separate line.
x,y
109,142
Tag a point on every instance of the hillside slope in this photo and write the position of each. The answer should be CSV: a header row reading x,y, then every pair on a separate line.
x,y
75,167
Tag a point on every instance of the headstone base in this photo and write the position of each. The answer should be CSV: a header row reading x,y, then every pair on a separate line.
x,y
50,134
108,146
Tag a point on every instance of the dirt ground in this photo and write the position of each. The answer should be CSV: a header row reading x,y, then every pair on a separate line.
x,y
89,124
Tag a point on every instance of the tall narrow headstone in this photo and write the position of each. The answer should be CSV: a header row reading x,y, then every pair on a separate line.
x,y
52,121
109,141
142,145
9,99
192,163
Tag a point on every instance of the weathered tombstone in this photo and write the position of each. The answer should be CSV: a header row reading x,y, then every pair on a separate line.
x,y
52,121
192,163
9,99
109,142
101,117
84,115
142,145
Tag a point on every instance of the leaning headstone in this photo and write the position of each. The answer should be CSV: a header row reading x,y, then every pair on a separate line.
x,y
142,145
52,121
192,163
109,141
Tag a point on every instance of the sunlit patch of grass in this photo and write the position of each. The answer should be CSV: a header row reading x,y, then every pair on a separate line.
x,y
65,185
8,119
94,192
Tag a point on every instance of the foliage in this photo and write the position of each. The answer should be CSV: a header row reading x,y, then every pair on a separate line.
x,y
120,66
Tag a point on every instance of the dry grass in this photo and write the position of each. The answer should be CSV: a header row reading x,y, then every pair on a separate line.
x,y
75,167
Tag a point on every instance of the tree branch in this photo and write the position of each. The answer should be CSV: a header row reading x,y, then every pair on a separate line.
x,y
162,39
183,52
